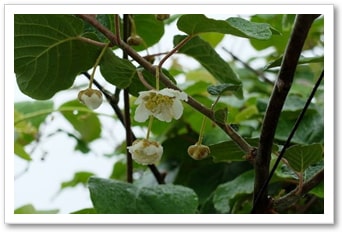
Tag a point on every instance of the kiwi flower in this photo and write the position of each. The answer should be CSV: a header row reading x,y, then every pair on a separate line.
x,y
163,105
146,151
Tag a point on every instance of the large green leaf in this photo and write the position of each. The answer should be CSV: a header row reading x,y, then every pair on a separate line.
x,y
227,192
106,20
210,60
112,197
86,123
49,51
196,23
116,71
300,157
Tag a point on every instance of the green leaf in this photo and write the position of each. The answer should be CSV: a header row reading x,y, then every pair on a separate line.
x,y
165,199
20,151
223,89
302,60
86,123
112,197
195,23
35,112
227,192
49,51
149,29
311,129
30,209
79,178
300,157
246,113
106,20
318,190
226,152
119,72
85,211
260,31
28,116
210,60
229,151
212,38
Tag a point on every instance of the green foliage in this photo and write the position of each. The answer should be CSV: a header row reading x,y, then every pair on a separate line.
x,y
300,157
79,178
40,40
208,57
226,193
194,24
28,116
30,209
111,197
51,50
149,29
85,123
116,71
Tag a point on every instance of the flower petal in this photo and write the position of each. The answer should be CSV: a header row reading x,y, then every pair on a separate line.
x,y
177,109
141,113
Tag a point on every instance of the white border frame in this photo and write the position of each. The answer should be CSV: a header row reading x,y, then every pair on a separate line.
x,y
326,218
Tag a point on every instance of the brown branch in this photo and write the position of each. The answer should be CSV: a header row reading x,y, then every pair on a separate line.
x,y
277,100
127,114
292,197
163,78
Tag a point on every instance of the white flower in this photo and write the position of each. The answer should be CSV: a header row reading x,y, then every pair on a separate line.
x,y
145,151
164,104
91,98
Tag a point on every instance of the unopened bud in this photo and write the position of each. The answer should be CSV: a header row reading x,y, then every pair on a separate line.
x,y
91,98
198,152
162,17
134,40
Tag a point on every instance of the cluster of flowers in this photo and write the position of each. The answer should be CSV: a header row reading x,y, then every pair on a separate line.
x,y
164,105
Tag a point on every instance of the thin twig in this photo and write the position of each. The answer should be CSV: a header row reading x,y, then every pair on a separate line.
x,y
277,100
292,197
114,104
257,72
174,50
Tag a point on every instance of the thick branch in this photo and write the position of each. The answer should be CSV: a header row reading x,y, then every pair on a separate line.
x,y
277,100
152,69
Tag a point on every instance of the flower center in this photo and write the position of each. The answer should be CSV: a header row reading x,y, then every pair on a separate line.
x,y
155,102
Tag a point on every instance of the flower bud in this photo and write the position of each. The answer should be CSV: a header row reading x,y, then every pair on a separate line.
x,y
92,98
198,152
162,17
134,40
146,151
